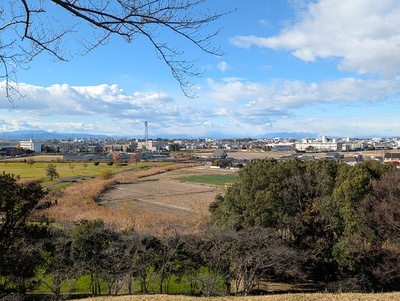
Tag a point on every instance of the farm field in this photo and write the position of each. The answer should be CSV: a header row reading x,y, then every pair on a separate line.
x,y
168,196
152,200
281,297
217,179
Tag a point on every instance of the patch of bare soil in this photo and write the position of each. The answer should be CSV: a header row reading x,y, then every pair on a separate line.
x,y
160,194
163,197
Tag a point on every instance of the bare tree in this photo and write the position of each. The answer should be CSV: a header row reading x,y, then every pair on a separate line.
x,y
134,159
29,28
52,172
117,159
259,253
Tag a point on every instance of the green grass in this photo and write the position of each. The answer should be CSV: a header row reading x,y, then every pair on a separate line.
x,y
38,169
216,179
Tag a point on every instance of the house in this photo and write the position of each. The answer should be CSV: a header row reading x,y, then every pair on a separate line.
x,y
393,158
10,151
333,156
219,154
354,160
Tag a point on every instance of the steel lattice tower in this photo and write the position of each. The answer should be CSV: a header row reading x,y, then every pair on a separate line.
x,y
146,130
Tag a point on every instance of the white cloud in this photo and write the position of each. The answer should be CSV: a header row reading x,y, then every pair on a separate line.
x,y
348,126
103,109
232,107
364,34
269,105
289,94
222,66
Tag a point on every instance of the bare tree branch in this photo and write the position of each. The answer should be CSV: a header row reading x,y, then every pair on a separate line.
x,y
36,30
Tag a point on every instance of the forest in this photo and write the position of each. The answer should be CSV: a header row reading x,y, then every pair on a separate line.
x,y
329,225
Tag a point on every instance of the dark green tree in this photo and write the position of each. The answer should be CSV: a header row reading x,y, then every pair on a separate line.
x,y
59,269
313,205
218,257
19,238
117,261
90,240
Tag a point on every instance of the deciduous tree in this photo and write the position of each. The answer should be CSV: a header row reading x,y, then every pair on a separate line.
x,y
117,159
134,159
51,171
30,161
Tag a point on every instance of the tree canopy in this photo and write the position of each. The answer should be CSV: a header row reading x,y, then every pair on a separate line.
x,y
342,218
19,237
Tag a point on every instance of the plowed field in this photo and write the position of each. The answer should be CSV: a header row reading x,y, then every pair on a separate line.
x,y
164,197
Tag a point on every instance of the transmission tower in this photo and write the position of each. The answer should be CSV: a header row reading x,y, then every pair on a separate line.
x,y
146,130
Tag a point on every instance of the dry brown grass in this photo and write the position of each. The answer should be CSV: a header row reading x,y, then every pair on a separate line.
x,y
77,203
282,297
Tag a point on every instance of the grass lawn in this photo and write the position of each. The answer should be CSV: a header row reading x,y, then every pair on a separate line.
x,y
217,179
67,170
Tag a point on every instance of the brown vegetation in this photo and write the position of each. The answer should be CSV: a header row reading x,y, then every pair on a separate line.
x,y
78,203
283,297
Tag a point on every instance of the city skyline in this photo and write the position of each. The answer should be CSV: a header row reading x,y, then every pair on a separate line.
x,y
315,67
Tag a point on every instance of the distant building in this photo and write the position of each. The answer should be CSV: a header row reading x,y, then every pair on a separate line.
x,y
219,154
323,145
10,151
392,157
282,148
333,156
151,145
8,143
31,145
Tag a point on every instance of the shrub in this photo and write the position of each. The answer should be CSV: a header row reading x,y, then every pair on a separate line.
x,y
110,163
106,174
96,163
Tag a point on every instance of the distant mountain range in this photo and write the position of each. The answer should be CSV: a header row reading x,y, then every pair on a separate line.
x,y
293,135
44,135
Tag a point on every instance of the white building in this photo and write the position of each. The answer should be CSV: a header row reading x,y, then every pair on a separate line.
x,y
323,145
150,145
31,145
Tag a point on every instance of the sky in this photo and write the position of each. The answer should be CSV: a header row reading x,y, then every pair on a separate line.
x,y
327,67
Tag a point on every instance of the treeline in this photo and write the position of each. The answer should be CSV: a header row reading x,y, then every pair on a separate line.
x,y
344,221
320,222
38,256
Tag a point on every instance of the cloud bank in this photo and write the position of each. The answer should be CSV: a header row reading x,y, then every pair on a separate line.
x,y
235,107
363,35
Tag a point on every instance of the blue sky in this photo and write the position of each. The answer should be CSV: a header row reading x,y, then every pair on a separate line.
x,y
327,67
